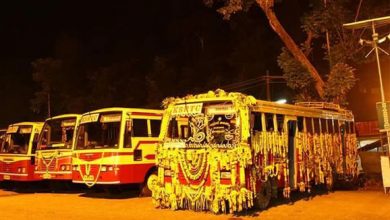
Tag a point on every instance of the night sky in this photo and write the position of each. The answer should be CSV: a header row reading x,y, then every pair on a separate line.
x,y
91,36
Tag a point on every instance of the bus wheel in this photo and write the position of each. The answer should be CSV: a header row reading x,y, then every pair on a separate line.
x,y
263,197
147,186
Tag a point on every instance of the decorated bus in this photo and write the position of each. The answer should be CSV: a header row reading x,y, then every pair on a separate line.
x,y
116,146
224,151
17,152
54,152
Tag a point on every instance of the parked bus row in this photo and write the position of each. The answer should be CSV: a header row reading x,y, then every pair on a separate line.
x,y
108,146
216,151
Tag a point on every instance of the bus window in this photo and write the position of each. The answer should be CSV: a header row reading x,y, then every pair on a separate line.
x,y
330,126
309,125
155,127
127,138
347,127
280,122
300,124
336,126
140,128
352,124
324,126
269,118
257,122
316,122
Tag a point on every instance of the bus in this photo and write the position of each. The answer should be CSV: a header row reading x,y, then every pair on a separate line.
x,y
54,152
226,152
116,146
2,136
17,153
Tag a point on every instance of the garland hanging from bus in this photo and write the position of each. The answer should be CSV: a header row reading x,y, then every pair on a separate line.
x,y
54,152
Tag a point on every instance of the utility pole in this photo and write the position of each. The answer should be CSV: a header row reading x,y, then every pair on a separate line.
x,y
374,43
48,105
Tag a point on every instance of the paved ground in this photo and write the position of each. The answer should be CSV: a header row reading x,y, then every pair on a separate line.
x,y
362,204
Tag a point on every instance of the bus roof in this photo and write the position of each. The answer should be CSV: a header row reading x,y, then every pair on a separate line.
x,y
313,109
120,109
64,116
26,123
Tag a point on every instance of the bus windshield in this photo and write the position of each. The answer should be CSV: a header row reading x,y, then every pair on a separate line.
x,y
99,131
17,140
57,134
200,125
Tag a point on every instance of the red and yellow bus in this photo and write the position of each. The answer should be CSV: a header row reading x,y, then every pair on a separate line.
x,y
2,136
116,146
228,151
17,153
54,152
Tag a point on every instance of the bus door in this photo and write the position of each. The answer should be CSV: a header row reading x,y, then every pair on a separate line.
x,y
291,124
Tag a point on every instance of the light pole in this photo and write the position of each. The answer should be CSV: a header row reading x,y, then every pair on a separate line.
x,y
374,43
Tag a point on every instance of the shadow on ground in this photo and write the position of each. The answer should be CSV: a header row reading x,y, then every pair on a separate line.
x,y
41,187
112,192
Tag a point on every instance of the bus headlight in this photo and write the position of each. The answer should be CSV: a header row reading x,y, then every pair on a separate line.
x,y
106,168
226,174
75,167
21,169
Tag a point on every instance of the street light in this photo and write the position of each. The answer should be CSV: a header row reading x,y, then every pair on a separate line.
x,y
374,43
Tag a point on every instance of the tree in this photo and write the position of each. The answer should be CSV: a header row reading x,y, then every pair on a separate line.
x,y
297,76
340,81
323,25
267,6
47,72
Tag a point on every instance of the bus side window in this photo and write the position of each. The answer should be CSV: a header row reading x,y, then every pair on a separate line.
x,y
336,126
329,126
300,124
347,127
127,138
324,126
309,125
316,124
140,128
269,118
280,122
257,121
155,127
352,127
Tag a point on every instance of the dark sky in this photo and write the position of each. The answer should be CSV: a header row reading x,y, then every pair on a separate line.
x,y
96,34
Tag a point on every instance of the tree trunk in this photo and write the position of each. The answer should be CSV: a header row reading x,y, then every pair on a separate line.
x,y
267,7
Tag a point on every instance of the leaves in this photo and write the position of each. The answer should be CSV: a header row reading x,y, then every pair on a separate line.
x,y
340,81
297,76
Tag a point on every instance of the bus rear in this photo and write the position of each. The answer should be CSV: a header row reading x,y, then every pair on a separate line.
x,y
17,154
116,146
54,151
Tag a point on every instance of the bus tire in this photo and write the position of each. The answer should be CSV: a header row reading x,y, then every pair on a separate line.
x,y
146,187
263,197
